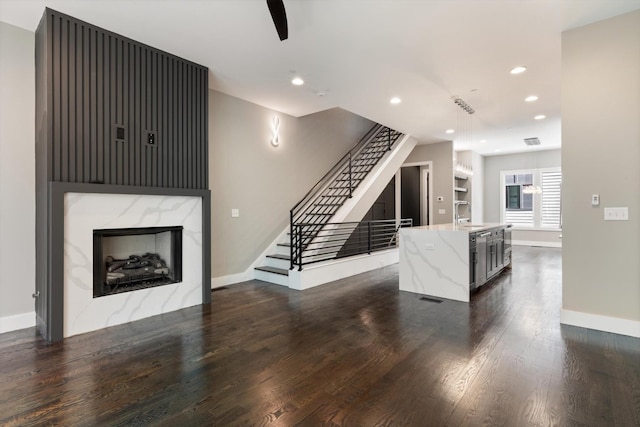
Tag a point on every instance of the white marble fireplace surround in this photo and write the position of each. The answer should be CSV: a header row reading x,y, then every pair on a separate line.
x,y
84,212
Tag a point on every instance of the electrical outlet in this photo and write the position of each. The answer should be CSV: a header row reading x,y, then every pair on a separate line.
x,y
235,213
595,200
120,132
442,211
616,214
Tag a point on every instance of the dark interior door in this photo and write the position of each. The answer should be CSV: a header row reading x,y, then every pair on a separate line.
x,y
410,193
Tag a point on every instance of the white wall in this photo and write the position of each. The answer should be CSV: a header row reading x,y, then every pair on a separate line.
x,y
600,155
17,177
493,165
262,181
441,154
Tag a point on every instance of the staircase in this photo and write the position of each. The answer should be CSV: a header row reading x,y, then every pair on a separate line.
x,y
322,202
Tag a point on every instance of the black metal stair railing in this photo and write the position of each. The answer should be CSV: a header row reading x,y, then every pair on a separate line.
x,y
308,217
344,239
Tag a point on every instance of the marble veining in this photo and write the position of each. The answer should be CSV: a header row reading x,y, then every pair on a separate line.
x,y
435,262
85,212
416,276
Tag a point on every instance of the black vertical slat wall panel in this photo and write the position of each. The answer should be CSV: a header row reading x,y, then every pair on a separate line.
x,y
101,80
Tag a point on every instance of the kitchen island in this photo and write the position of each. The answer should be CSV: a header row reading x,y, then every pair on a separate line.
x,y
451,260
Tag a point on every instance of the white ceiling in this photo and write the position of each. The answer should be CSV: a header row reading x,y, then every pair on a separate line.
x,y
363,52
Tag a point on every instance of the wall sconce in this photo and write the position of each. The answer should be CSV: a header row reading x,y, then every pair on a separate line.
x,y
275,141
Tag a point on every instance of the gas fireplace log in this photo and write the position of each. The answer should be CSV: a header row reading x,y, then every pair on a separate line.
x,y
135,262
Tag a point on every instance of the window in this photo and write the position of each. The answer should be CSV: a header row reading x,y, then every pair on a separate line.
x,y
514,197
531,198
551,202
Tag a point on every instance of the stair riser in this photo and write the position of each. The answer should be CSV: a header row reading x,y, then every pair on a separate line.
x,y
283,250
278,263
274,278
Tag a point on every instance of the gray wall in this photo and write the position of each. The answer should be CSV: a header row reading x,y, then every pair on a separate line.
x,y
263,181
17,170
477,188
441,154
600,155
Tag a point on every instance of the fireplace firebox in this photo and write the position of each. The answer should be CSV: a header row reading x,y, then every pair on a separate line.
x,y
129,259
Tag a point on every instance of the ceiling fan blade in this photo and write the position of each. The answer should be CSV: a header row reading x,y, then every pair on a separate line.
x,y
279,16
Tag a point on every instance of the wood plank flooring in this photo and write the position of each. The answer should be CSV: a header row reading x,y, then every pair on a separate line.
x,y
353,353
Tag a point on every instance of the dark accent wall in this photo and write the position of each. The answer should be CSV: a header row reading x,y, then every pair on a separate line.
x,y
99,97
106,94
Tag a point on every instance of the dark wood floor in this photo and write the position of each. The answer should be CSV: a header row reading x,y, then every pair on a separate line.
x,y
357,352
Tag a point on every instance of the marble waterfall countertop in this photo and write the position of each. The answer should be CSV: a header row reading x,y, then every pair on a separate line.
x,y
435,259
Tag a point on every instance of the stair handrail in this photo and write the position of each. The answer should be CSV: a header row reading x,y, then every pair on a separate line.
x,y
335,169
379,234
296,241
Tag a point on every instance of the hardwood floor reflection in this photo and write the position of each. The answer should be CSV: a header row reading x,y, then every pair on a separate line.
x,y
356,352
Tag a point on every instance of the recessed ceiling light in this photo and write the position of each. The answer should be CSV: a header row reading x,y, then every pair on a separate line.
x,y
297,81
450,131
483,141
540,117
395,100
531,98
497,150
519,69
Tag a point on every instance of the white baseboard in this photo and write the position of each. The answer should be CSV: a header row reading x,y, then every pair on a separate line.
x,y
601,323
217,282
18,321
541,244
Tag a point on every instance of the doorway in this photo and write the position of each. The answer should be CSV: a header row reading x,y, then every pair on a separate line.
x,y
415,186
410,194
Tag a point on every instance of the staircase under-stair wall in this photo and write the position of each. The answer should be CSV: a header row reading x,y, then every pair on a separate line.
x,y
346,195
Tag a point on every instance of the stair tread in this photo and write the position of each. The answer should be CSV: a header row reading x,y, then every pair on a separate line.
x,y
288,245
278,256
274,270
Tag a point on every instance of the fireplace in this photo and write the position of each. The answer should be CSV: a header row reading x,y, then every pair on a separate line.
x,y
136,157
150,218
130,259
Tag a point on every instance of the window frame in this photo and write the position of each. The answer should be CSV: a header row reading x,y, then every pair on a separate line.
x,y
537,201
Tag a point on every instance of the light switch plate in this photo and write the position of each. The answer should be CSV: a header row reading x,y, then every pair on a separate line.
x,y
616,214
235,213
442,211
